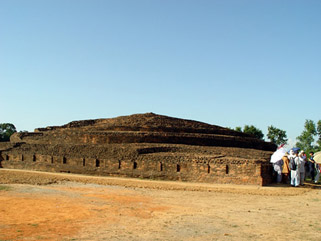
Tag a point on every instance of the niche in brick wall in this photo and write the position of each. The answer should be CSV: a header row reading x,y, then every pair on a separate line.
x,y
97,163
64,160
161,166
208,168
178,168
83,162
135,165
227,169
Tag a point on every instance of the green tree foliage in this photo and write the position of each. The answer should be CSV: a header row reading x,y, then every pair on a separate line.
x,y
306,139
276,136
252,130
238,128
6,130
319,134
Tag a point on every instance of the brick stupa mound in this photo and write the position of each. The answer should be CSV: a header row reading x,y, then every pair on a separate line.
x,y
143,145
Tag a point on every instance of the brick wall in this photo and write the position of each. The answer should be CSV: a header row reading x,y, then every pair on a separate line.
x,y
209,170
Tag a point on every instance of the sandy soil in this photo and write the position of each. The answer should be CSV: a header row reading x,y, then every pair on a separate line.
x,y
47,206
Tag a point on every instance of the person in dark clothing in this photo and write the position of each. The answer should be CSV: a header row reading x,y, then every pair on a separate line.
x,y
311,164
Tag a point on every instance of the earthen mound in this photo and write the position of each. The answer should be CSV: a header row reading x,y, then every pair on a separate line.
x,y
142,128
143,145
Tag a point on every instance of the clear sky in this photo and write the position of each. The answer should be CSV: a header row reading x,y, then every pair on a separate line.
x,y
223,62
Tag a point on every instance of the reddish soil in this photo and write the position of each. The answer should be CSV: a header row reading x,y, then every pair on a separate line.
x,y
47,206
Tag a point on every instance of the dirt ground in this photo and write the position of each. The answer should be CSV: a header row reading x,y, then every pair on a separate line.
x,y
48,206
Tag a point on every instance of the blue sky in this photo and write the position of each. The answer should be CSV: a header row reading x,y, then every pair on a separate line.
x,y
228,63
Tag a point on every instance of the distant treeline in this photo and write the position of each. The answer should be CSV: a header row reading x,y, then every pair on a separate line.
x,y
309,140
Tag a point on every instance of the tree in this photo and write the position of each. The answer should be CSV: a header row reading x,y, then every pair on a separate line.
x,y
6,130
319,134
252,130
276,136
238,128
306,139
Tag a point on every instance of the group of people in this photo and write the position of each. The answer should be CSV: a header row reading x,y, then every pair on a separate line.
x,y
295,167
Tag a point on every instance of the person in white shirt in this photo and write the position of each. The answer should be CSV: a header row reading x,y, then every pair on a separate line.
x,y
295,169
302,158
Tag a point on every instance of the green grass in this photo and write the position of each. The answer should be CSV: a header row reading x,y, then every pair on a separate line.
x,y
5,188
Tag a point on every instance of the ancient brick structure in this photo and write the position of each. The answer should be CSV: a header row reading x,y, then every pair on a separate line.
x,y
144,146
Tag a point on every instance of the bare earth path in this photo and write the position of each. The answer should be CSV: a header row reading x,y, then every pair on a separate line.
x,y
51,206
